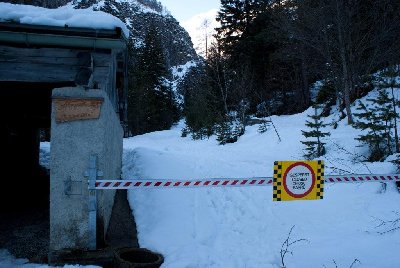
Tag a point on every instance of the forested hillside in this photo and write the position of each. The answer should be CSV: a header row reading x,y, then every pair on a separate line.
x,y
269,55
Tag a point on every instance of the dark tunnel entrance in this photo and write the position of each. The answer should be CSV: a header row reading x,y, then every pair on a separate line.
x,y
25,114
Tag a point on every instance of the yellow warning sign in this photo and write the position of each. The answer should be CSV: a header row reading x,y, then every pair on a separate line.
x,y
298,180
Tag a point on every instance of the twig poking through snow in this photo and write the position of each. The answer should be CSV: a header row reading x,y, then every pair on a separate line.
x,y
286,245
391,224
351,266
355,262
356,156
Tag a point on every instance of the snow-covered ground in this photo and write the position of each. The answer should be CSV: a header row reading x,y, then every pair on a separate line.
x,y
243,227
9,261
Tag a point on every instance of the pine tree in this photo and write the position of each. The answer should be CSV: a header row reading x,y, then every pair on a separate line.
x,y
396,160
388,80
224,133
387,116
264,126
152,104
262,111
234,17
315,147
377,120
202,108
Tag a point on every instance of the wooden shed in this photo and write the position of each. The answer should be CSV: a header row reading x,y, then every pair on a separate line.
x,y
34,60
86,57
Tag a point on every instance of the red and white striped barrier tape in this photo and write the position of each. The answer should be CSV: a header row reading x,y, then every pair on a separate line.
x,y
229,182
129,184
362,178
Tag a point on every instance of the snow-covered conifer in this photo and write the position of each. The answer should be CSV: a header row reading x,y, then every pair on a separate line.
x,y
314,143
377,121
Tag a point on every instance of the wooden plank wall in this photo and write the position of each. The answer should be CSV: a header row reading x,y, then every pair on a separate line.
x,y
54,65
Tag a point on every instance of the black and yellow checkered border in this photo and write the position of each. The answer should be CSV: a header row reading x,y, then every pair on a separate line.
x,y
277,181
320,180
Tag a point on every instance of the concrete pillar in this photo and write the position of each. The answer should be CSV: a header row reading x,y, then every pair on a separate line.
x,y
83,123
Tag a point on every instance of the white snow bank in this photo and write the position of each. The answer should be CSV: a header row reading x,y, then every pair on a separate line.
x,y
65,16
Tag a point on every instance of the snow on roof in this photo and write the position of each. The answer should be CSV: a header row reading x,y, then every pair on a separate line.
x,y
63,16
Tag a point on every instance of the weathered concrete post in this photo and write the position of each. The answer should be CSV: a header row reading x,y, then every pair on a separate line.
x,y
83,123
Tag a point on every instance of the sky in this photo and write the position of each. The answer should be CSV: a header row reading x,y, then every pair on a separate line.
x,y
184,10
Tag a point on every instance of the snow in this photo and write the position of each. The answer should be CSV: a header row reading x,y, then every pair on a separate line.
x,y
44,154
178,75
179,72
65,16
9,261
243,227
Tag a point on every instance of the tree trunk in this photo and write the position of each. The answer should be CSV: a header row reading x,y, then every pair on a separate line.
x,y
345,69
305,94
396,135
319,145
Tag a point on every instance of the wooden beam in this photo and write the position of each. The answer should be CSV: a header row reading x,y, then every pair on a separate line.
x,y
50,64
38,55
40,39
35,72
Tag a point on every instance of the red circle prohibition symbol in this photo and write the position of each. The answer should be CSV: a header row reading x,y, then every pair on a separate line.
x,y
312,184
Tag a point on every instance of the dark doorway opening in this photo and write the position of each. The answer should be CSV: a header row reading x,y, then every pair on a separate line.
x,y
25,112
